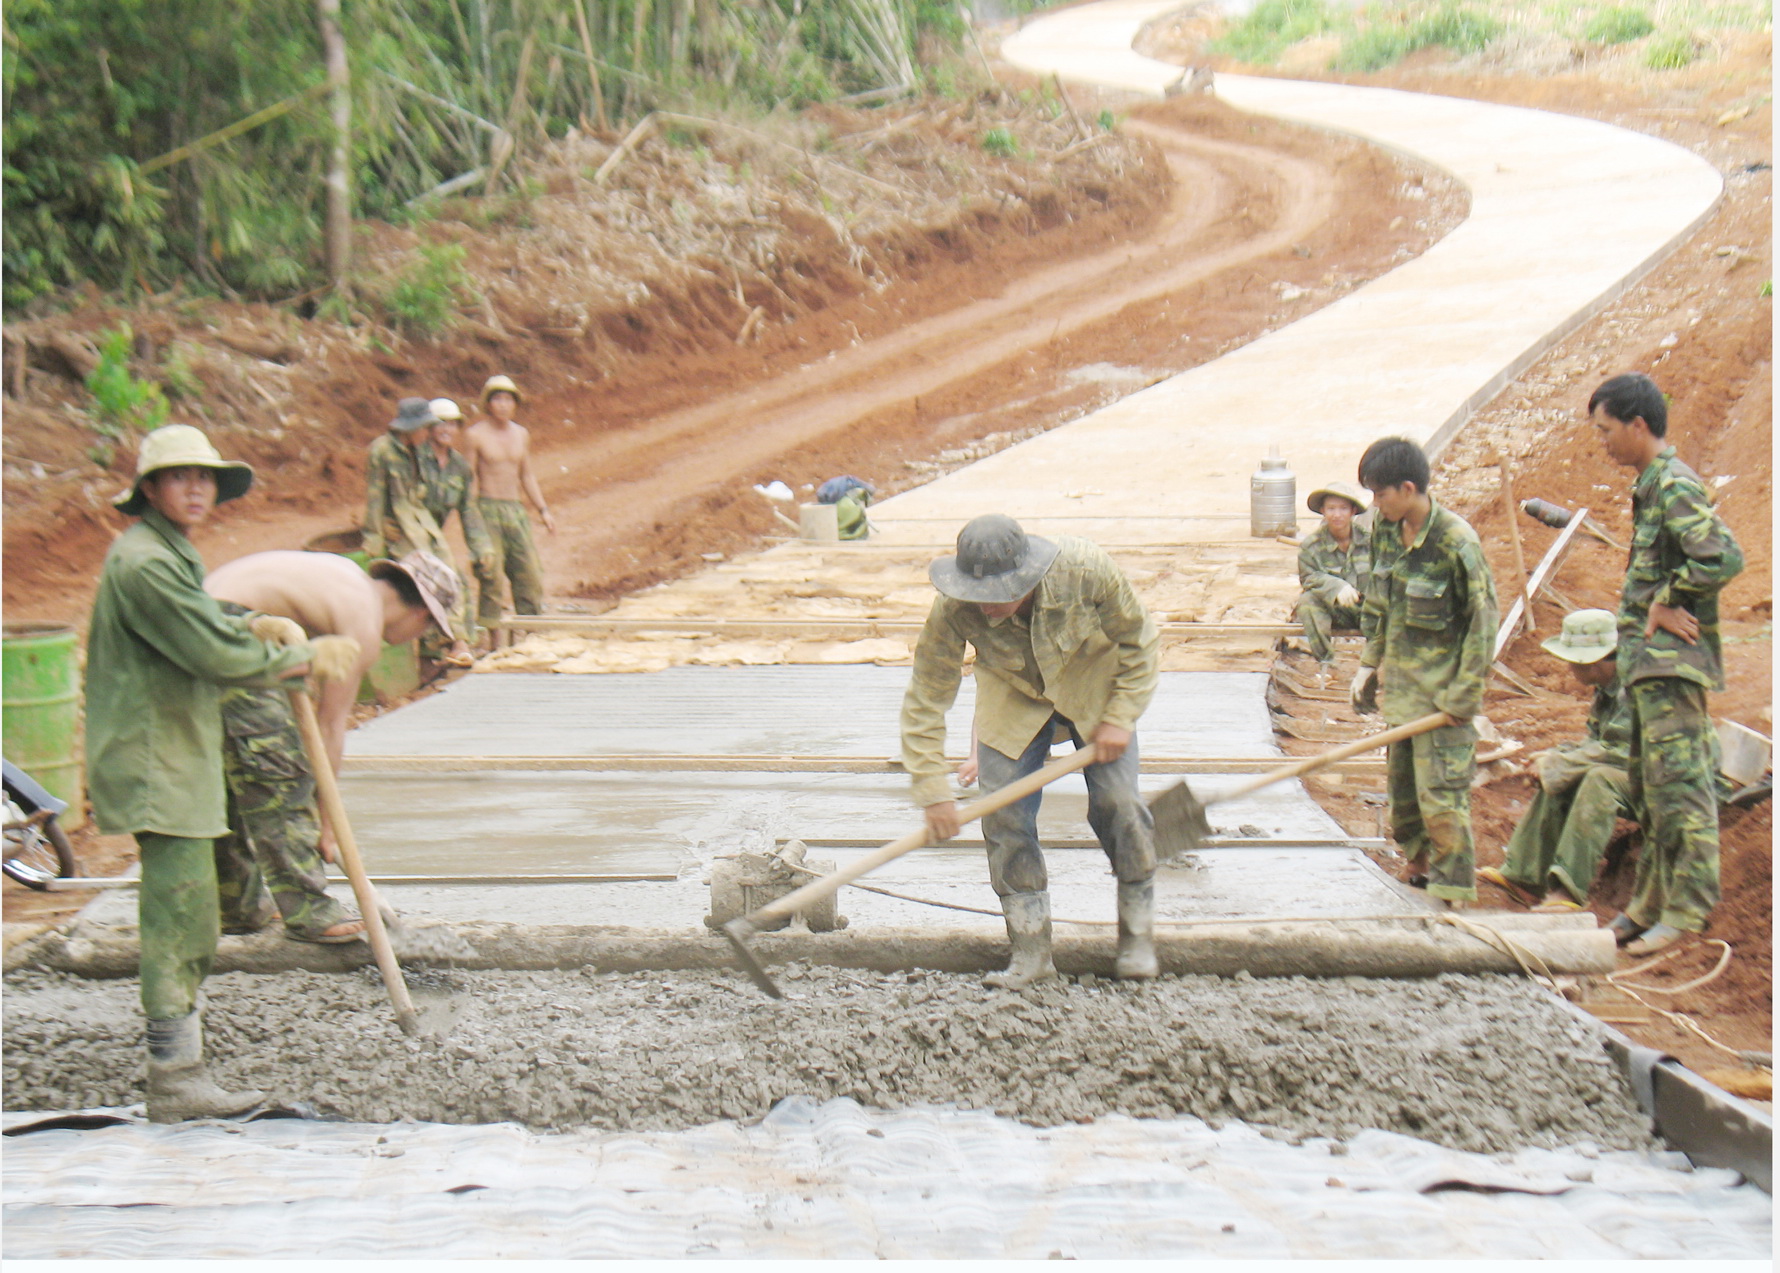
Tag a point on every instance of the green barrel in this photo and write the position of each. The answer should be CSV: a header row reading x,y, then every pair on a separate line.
x,y
40,709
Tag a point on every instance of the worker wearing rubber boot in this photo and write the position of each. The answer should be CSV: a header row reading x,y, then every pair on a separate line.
x,y
276,836
1682,554
1583,786
1062,645
159,650
1430,624
1334,565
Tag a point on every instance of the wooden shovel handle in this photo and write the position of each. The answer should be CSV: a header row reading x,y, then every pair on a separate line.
x,y
816,890
327,791
1310,764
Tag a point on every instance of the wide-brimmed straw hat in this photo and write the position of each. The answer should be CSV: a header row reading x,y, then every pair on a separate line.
x,y
996,562
1588,636
500,384
1340,490
437,583
176,446
412,415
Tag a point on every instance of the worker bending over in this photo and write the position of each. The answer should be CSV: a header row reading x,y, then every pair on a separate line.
x,y
275,837
159,651
1334,565
1062,644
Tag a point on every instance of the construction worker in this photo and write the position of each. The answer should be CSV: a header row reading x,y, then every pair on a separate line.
x,y
159,651
499,450
1682,554
275,836
397,520
1583,786
1062,645
450,487
1334,565
1429,619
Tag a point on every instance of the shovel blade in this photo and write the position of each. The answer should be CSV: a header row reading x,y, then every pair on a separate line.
x,y
738,931
1181,824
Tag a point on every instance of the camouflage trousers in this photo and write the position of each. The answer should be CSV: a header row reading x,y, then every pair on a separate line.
x,y
1560,839
1429,777
1320,618
1674,760
274,836
510,527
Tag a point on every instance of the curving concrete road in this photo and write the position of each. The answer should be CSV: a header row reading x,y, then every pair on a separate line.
x,y
1566,213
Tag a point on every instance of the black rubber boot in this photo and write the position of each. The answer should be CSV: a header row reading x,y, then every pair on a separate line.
x,y
178,1087
1137,932
1028,918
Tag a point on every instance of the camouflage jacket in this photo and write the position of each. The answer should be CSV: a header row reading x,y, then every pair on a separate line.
x,y
1323,568
1429,618
449,486
1610,721
396,516
1682,554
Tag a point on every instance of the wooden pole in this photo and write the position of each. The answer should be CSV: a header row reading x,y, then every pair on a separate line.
x,y
339,178
1509,509
593,70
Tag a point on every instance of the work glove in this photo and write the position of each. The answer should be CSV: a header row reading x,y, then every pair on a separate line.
x,y
1348,596
1363,693
335,658
277,629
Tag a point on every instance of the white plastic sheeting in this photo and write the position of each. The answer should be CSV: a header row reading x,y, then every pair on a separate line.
x,y
840,1181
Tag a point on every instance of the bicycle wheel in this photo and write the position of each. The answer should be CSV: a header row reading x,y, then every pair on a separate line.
x,y
36,854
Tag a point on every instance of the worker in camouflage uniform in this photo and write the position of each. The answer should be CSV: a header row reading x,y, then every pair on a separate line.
x,y
1682,554
1583,786
1334,565
397,520
1063,647
450,488
159,651
1430,624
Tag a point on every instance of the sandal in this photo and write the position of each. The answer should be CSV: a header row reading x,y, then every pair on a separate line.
x,y
1514,888
1557,902
327,936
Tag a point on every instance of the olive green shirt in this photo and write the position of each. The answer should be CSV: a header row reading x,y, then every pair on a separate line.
x,y
1324,568
1682,553
1088,651
1429,618
159,650
1610,722
449,487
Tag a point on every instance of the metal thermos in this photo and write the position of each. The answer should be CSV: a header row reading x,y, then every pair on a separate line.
x,y
1541,510
1273,499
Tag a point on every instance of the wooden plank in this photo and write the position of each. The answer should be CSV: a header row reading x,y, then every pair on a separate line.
x,y
773,764
832,629
1548,567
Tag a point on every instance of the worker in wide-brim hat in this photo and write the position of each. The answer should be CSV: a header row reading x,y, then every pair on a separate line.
x,y
1063,645
159,650
1334,567
1550,860
500,384
499,450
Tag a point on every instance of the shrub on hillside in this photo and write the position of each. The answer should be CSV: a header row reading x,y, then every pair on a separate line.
x,y
1618,26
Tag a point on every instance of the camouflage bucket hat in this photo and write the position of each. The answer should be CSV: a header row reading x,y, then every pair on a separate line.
x,y
1588,637
177,446
437,583
997,562
412,414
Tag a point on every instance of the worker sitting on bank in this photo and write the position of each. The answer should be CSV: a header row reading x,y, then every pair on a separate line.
x,y
1334,565
1061,641
1583,786
275,836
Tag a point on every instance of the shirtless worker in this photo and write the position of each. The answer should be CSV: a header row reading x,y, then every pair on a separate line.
x,y
274,835
499,450
159,651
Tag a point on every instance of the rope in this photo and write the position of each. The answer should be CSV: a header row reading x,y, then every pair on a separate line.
x,y
1724,960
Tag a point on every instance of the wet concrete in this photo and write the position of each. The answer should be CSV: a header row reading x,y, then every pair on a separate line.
x,y
1475,1063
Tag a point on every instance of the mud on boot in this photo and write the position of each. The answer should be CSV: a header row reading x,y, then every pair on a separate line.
x,y
1028,918
179,1088
1137,932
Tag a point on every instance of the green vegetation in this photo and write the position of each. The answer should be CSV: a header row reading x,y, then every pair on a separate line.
x,y
1618,26
1379,44
423,299
1272,27
121,166
121,402
1002,142
1670,51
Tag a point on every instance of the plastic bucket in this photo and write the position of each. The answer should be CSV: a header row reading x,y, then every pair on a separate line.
x,y
40,709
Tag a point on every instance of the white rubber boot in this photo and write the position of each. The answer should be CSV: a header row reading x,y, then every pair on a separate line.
x,y
1028,918
178,1086
1137,932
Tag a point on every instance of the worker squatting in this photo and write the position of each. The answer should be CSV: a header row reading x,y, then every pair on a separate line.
x,y
191,746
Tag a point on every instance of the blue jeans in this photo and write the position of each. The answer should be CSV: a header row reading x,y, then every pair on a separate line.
x,y
1120,819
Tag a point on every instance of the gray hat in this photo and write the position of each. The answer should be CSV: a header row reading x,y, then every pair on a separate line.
x,y
1588,637
413,414
996,563
436,582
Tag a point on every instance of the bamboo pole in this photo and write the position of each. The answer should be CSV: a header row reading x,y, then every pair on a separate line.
x,y
339,178
593,72
1509,508
262,116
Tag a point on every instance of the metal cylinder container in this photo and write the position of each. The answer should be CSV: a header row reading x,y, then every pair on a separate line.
x,y
1273,499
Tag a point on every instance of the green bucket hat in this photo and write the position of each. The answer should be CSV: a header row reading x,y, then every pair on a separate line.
x,y
177,446
1340,490
1588,636
996,562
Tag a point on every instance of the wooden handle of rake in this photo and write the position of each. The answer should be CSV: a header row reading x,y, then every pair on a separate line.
x,y
816,890
327,791
1346,751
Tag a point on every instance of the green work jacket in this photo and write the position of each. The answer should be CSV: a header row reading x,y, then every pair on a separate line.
x,y
396,516
1089,650
1323,568
1429,618
1682,553
159,650
449,488
1610,722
